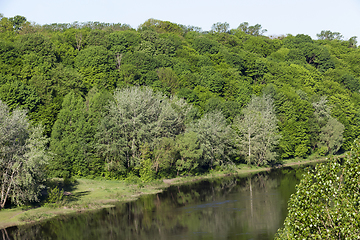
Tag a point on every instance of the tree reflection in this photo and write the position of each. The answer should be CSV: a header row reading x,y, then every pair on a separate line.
x,y
226,208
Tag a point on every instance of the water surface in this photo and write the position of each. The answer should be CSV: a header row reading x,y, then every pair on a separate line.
x,y
252,207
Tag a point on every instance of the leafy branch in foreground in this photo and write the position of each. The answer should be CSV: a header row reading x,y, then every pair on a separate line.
x,y
326,203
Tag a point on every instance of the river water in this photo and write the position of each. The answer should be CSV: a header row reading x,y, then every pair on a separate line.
x,y
251,207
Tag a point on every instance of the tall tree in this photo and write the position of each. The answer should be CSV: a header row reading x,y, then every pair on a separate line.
x,y
23,157
330,130
190,152
257,129
138,116
215,138
331,136
220,27
17,22
328,35
255,30
67,139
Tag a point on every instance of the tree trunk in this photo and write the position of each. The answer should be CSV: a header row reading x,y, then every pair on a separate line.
x,y
118,58
7,191
249,147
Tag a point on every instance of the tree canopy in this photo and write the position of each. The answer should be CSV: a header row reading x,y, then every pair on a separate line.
x,y
167,99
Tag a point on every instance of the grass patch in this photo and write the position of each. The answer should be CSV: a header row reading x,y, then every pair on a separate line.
x,y
83,194
27,217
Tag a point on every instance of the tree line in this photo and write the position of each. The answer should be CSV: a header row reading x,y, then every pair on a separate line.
x,y
166,99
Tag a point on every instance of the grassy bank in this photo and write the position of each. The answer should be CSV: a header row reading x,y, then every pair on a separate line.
x,y
86,194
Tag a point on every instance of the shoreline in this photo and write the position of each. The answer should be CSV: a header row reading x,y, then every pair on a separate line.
x,y
117,192
239,172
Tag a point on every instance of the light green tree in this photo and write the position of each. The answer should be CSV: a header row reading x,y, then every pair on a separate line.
x,y
330,135
22,157
138,116
215,138
257,130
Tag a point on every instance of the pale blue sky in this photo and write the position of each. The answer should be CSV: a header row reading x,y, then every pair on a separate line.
x,y
278,16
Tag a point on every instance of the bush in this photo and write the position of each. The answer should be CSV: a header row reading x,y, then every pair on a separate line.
x,y
55,196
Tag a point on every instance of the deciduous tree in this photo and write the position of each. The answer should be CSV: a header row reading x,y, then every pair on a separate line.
x,y
215,138
22,157
257,129
255,30
138,116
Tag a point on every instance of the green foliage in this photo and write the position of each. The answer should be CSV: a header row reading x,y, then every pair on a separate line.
x,y
217,70
146,169
17,94
67,138
23,157
350,82
17,21
205,45
164,156
55,196
257,130
168,79
190,152
72,138
138,116
255,30
132,179
331,135
220,27
293,113
328,35
97,65
161,26
123,41
215,138
327,131
326,202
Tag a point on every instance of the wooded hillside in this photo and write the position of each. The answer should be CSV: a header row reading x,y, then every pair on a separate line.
x,y
167,99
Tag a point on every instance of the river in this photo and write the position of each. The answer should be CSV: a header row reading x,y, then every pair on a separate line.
x,y
251,207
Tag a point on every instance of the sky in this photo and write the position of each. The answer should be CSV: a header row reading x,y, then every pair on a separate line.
x,y
279,17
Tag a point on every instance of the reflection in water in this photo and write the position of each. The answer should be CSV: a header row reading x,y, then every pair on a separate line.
x,y
225,208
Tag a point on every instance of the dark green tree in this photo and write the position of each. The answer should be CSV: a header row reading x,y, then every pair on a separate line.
x,y
220,27
255,30
17,22
328,35
67,139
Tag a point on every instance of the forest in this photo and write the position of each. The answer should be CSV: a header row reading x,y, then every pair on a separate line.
x,y
105,100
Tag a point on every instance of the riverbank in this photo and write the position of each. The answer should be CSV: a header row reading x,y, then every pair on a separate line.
x,y
88,194
244,170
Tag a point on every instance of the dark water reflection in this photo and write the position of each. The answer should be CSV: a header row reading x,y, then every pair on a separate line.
x,y
251,207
